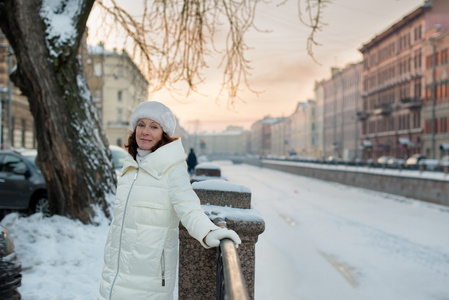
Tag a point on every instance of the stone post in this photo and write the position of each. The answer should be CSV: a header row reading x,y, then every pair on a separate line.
x,y
205,171
208,169
197,266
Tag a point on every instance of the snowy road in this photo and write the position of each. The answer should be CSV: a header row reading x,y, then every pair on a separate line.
x,y
329,241
322,241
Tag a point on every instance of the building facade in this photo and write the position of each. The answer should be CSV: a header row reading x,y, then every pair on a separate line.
x,y
117,87
342,101
281,137
318,151
394,81
229,142
261,136
300,132
436,101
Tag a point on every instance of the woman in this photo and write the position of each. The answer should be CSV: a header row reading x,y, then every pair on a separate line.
x,y
153,195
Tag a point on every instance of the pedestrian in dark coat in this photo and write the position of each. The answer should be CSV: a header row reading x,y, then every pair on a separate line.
x,y
191,162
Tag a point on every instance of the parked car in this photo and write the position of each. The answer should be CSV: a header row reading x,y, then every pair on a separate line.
x,y
22,185
383,160
413,161
444,161
118,156
429,164
396,162
10,267
333,159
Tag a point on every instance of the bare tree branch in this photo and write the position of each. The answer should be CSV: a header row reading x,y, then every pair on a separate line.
x,y
313,12
173,38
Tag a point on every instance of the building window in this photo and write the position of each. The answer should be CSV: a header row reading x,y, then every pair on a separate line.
x,y
98,70
443,125
97,96
444,56
119,96
120,72
119,115
428,61
418,88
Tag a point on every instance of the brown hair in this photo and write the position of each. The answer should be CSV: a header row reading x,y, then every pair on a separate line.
x,y
132,143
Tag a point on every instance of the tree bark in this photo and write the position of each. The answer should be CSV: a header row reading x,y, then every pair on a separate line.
x,y
73,152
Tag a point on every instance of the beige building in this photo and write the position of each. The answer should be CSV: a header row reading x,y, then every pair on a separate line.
x,y
300,132
231,141
342,101
261,136
317,134
281,137
117,87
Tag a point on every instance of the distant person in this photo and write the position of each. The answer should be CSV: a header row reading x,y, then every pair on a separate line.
x,y
192,162
153,194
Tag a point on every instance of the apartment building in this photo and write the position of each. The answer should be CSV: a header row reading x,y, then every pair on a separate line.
x,y
318,121
260,139
300,129
341,103
117,87
281,137
394,82
232,141
435,111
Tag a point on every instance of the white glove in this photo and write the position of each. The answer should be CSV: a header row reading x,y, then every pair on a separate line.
x,y
213,238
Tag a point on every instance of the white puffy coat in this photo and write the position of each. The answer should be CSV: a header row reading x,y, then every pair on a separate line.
x,y
141,251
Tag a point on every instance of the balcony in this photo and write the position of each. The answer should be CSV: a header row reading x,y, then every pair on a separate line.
x,y
411,103
382,109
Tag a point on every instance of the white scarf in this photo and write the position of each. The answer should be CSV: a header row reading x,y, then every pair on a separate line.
x,y
141,155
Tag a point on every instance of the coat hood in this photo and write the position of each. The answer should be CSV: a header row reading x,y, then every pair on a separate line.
x,y
158,162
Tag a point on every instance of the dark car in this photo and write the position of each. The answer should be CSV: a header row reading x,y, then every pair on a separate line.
x,y
22,185
10,267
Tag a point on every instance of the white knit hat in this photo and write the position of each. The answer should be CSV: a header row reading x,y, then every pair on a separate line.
x,y
155,111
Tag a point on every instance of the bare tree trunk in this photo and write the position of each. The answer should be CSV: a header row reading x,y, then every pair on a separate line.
x,y
72,149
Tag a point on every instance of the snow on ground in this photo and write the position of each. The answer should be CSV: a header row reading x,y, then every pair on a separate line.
x,y
322,241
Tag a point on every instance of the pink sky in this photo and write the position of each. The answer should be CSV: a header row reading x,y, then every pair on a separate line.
x,y
281,66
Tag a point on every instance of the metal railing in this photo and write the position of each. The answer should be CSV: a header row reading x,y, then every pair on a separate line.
x,y
230,280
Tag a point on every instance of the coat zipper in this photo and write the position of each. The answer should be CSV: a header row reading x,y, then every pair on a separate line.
x,y
163,267
121,233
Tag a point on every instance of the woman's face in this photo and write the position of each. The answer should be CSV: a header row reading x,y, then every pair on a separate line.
x,y
148,133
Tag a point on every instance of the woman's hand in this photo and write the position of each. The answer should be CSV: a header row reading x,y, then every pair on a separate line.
x,y
213,238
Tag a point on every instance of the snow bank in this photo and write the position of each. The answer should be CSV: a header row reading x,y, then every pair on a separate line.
x,y
208,166
220,185
61,258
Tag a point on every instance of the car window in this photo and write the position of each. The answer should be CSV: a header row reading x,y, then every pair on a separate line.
x,y
32,159
10,162
118,158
